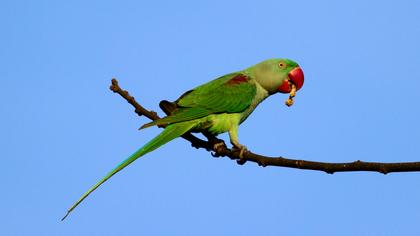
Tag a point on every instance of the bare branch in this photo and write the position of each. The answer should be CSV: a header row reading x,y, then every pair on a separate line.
x,y
223,151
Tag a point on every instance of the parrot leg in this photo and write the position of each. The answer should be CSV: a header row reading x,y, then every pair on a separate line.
x,y
233,135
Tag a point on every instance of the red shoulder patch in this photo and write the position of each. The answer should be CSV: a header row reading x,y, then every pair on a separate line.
x,y
238,79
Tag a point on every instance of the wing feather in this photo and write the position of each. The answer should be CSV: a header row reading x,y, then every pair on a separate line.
x,y
232,93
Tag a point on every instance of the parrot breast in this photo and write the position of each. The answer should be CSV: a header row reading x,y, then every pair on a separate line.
x,y
260,95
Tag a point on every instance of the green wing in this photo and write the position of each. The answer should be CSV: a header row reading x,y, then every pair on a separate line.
x,y
232,93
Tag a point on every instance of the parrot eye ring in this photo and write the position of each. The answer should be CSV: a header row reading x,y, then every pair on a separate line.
x,y
282,65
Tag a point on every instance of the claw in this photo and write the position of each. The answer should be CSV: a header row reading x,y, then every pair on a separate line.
x,y
241,161
242,150
241,153
216,146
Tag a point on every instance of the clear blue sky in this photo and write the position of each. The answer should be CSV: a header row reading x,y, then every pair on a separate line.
x,y
62,129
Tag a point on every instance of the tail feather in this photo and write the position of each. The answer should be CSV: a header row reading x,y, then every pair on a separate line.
x,y
169,133
180,115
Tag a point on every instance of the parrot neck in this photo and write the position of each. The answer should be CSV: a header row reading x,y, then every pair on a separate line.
x,y
267,80
260,95
249,72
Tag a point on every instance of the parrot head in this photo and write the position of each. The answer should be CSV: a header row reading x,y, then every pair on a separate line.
x,y
279,75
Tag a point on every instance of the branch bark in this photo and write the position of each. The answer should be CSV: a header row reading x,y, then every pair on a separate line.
x,y
223,151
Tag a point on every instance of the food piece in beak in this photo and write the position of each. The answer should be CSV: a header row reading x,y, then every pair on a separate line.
x,y
289,101
292,84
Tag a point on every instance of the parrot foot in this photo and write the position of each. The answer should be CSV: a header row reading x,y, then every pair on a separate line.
x,y
219,145
242,149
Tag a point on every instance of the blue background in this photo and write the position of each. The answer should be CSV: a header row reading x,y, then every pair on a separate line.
x,y
62,129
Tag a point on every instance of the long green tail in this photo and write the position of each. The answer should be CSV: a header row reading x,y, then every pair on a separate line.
x,y
171,132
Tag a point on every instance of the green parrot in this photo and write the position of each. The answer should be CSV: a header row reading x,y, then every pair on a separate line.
x,y
218,106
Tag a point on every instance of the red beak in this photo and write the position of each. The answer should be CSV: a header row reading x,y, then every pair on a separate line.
x,y
296,77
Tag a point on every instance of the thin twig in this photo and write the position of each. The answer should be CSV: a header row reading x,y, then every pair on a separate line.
x,y
223,151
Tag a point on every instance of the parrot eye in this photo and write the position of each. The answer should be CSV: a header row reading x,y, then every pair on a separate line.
x,y
282,65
